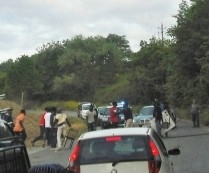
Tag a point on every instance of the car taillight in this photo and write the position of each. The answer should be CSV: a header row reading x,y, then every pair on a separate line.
x,y
113,138
154,164
73,165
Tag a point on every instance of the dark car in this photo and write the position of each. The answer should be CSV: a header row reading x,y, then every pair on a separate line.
x,y
13,153
6,115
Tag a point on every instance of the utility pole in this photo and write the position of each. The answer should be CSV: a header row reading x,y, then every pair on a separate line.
x,y
162,32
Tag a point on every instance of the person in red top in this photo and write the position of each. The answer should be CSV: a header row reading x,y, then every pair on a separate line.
x,y
114,115
42,128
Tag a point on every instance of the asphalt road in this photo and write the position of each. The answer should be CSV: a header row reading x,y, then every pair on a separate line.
x,y
193,143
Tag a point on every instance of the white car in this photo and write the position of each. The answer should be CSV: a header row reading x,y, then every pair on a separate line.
x,y
83,108
121,150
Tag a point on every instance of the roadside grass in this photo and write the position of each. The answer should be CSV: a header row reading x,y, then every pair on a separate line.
x,y
183,113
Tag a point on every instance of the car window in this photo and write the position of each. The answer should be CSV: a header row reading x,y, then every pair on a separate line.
x,y
85,107
101,150
147,111
101,110
107,111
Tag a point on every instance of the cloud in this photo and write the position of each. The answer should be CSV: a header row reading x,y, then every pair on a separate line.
x,y
28,24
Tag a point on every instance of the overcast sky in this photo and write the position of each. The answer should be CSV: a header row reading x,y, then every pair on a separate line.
x,y
26,25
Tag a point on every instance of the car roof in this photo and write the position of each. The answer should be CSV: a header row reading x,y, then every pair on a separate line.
x,y
150,106
117,131
102,107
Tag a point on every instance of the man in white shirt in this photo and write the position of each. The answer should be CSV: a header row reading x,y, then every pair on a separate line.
x,y
61,121
47,127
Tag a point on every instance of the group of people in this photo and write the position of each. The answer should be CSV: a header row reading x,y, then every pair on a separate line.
x,y
52,124
114,115
92,116
157,114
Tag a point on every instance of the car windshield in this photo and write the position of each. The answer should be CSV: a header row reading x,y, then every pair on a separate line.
x,y
114,148
106,111
101,110
85,107
146,111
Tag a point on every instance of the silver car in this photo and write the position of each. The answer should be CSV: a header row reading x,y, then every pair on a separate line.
x,y
121,150
144,116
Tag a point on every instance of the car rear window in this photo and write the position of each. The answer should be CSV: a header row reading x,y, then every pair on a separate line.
x,y
114,148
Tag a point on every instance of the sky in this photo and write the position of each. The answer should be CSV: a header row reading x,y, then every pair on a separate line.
x,y
27,25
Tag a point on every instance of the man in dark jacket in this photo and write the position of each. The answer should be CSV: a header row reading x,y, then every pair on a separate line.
x,y
128,115
157,114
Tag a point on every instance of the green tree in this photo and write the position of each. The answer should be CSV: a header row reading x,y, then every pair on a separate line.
x,y
46,63
152,65
92,63
22,77
189,80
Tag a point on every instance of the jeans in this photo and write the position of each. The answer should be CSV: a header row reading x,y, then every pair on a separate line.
x,y
158,126
41,135
195,119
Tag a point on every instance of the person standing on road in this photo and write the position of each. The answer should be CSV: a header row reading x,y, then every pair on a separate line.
x,y
53,128
195,110
157,114
128,115
61,121
42,128
90,117
47,127
114,115
19,129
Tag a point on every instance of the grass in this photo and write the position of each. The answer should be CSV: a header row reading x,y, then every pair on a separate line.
x,y
31,122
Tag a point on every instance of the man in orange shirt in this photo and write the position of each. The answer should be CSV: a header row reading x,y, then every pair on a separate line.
x,y
19,129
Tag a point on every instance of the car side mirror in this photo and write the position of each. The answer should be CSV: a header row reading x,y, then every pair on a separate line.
x,y
174,151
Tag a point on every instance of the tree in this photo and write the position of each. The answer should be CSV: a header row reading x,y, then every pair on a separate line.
x,y
151,69
22,77
191,49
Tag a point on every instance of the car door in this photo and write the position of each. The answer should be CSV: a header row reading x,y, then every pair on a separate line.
x,y
167,164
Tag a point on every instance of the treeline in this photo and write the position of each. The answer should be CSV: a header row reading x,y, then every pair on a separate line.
x,y
104,68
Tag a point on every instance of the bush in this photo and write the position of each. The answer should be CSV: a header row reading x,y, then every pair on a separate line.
x,y
65,105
